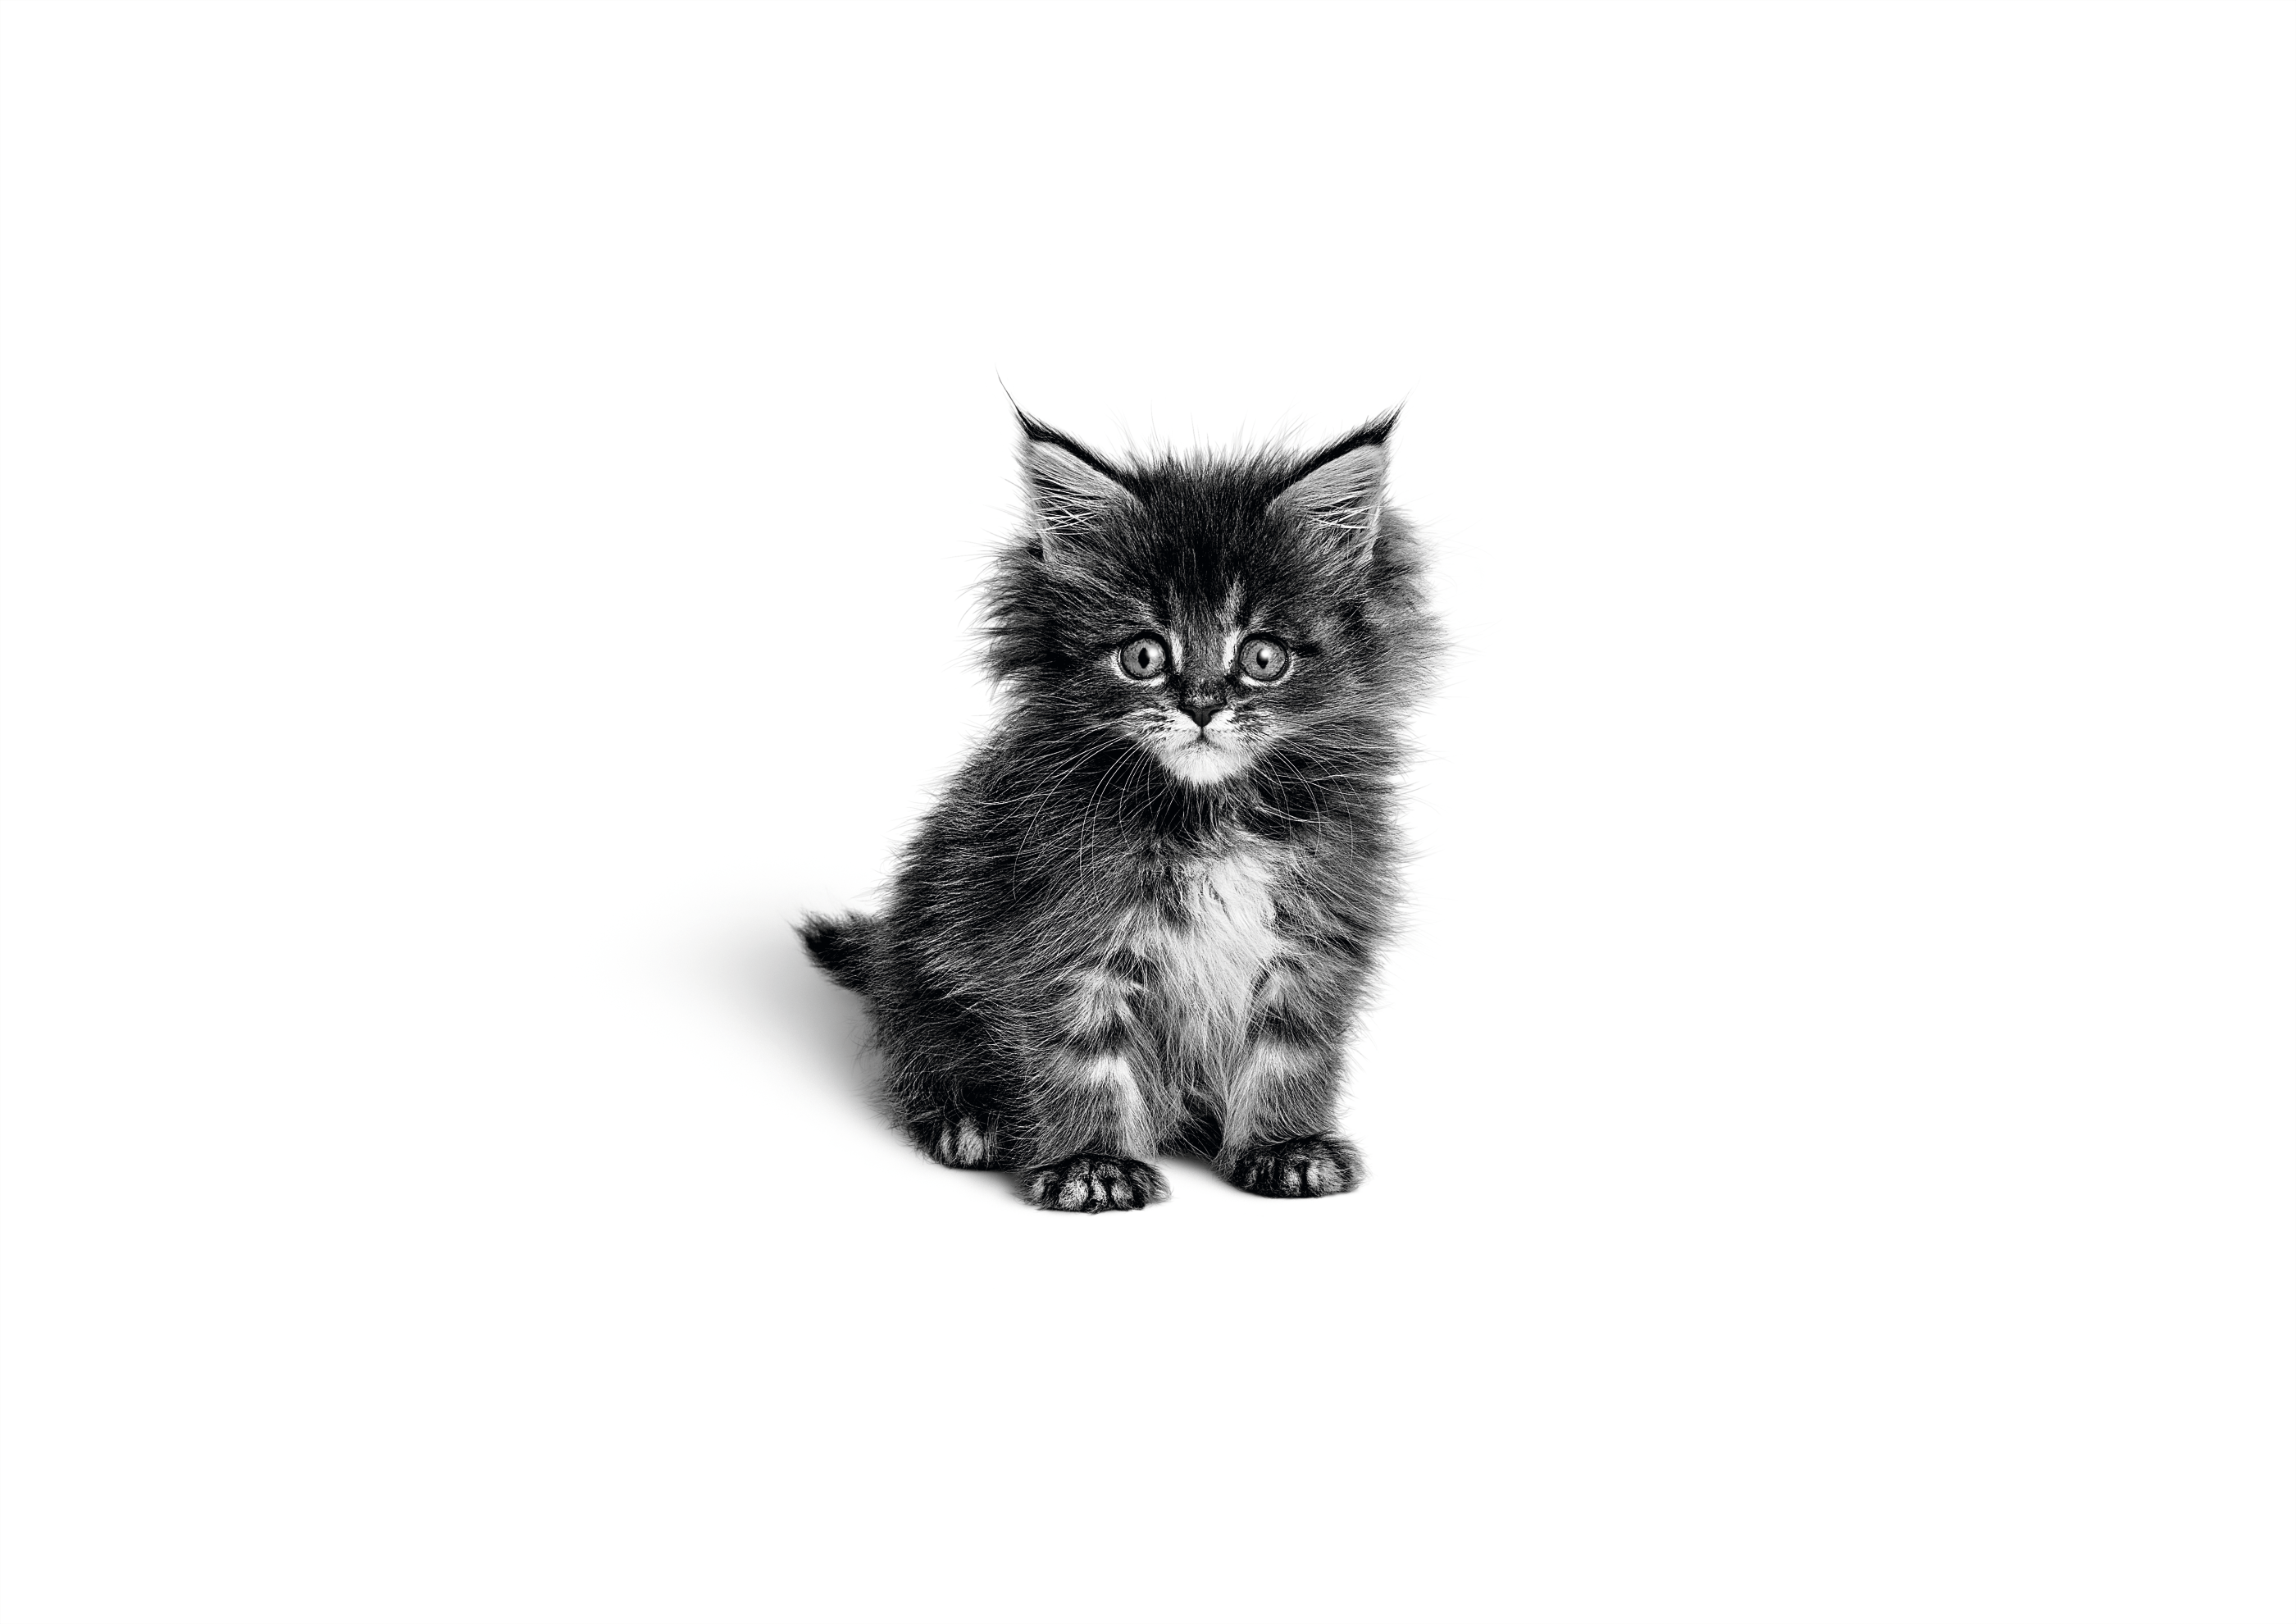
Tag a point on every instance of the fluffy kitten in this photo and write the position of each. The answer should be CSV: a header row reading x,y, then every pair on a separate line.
x,y
1144,914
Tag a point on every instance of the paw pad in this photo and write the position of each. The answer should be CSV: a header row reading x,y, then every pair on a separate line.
x,y
1094,1183
960,1141
1323,1164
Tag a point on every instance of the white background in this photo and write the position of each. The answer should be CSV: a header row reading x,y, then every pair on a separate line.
x,y
490,502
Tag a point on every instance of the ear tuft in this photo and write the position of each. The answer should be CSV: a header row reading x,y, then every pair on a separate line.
x,y
1335,500
1073,494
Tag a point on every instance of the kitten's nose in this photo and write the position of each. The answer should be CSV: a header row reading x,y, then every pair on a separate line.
x,y
1203,710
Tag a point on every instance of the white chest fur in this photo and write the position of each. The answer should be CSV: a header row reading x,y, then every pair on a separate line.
x,y
1212,941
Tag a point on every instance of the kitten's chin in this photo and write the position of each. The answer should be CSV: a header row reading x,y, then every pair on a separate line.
x,y
1201,762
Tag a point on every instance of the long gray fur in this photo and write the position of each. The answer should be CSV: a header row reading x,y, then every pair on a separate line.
x,y
1144,914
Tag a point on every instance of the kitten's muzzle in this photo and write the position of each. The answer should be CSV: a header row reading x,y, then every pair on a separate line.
x,y
1202,712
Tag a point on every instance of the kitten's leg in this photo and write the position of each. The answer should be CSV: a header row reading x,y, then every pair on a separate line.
x,y
1091,1133
944,1078
1283,1098
958,1138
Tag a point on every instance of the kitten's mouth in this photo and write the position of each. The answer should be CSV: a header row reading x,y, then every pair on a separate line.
x,y
1204,758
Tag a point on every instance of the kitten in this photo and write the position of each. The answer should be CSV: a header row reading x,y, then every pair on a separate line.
x,y
1144,914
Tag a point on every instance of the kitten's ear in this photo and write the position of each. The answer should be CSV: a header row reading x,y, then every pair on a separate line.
x,y
1334,501
1073,494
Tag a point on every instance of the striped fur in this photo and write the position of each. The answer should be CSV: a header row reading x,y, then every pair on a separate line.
x,y
1144,914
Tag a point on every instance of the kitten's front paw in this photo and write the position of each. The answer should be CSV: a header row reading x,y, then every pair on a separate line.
x,y
1094,1183
1322,1164
961,1139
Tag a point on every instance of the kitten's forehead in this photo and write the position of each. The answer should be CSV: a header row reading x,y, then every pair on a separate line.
x,y
1216,601
1211,526
1213,617
1203,629
1201,545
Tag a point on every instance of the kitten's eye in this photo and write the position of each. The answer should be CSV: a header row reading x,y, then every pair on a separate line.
x,y
1263,659
1141,659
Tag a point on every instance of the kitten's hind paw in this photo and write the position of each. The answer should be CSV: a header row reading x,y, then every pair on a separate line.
x,y
1322,1164
962,1139
1092,1184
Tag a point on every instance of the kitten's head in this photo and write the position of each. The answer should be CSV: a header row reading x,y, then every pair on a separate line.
x,y
1230,617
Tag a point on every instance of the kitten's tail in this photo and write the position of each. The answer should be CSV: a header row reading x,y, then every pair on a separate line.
x,y
841,945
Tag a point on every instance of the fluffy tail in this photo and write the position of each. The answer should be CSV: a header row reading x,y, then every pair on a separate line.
x,y
841,945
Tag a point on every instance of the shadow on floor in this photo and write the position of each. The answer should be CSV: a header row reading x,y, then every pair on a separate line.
x,y
778,981
785,987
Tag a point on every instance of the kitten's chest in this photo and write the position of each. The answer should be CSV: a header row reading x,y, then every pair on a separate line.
x,y
1209,931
